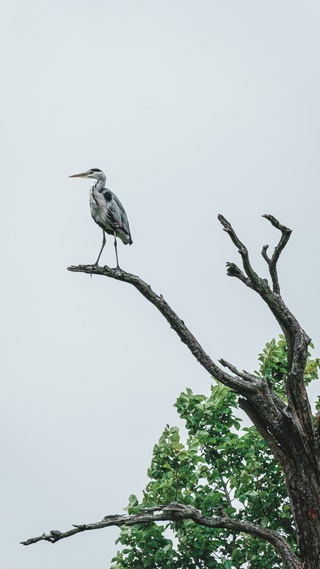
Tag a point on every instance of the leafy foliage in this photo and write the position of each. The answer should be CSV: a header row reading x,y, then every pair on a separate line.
x,y
219,466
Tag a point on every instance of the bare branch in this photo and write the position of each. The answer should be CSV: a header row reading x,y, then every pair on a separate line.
x,y
272,262
178,512
237,383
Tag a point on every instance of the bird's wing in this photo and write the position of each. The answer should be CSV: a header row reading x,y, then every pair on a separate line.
x,y
115,211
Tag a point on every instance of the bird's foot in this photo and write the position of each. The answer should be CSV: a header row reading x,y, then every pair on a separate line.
x,y
92,268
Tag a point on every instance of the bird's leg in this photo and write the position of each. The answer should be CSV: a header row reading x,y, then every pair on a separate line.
x,y
116,248
102,247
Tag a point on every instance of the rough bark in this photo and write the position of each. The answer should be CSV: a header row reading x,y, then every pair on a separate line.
x,y
287,428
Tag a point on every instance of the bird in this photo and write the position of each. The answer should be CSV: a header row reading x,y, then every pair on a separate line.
x,y
107,211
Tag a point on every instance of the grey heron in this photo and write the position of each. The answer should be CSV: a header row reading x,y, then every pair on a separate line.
x,y
107,211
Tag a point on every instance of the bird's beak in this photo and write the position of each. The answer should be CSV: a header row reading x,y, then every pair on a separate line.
x,y
82,175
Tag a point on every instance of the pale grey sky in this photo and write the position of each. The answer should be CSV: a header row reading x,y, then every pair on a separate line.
x,y
192,109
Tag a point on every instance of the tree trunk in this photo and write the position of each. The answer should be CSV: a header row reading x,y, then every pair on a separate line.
x,y
304,491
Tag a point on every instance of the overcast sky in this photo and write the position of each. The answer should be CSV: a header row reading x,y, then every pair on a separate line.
x,y
192,109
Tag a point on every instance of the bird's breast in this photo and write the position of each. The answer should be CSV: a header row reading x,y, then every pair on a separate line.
x,y
99,209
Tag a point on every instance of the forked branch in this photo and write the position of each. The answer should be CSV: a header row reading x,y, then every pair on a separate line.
x,y
297,339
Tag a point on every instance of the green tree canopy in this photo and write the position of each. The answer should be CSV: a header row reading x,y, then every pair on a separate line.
x,y
220,468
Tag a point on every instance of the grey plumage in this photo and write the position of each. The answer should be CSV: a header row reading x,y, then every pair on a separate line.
x,y
107,210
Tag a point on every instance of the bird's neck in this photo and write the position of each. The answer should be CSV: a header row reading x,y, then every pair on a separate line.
x,y
98,185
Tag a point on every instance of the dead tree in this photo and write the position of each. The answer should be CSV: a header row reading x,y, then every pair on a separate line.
x,y
287,427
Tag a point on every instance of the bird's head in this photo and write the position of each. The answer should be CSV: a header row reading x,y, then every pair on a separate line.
x,y
92,173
